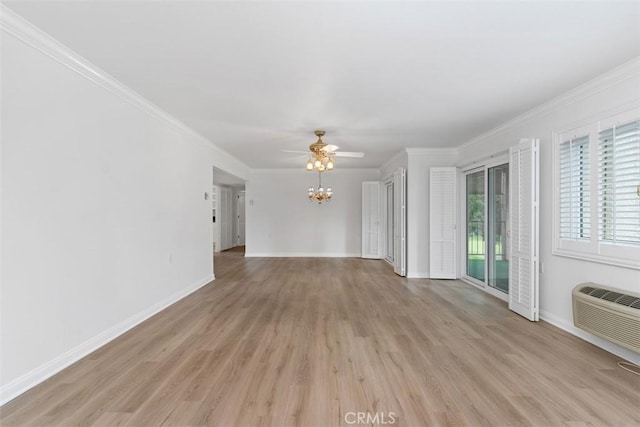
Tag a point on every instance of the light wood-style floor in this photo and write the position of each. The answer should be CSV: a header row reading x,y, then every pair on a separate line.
x,y
309,341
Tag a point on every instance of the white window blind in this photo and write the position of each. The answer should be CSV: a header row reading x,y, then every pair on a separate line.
x,y
575,195
619,184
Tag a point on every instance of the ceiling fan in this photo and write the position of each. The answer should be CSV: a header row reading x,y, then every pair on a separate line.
x,y
321,154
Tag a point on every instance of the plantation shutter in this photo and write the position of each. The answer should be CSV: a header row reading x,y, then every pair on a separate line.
x,y
442,223
400,222
371,219
575,194
523,221
619,184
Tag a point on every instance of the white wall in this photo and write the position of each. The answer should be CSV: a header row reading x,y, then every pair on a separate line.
x,y
400,160
420,160
281,221
103,216
613,92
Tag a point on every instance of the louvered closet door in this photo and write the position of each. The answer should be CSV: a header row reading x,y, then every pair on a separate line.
x,y
523,211
371,219
442,223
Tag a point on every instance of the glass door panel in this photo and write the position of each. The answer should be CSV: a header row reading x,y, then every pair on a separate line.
x,y
475,225
498,208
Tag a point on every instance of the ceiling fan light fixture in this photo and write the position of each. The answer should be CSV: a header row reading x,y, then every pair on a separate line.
x,y
330,164
321,155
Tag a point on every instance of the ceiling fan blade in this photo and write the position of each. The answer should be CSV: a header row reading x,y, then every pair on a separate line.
x,y
295,151
348,154
330,148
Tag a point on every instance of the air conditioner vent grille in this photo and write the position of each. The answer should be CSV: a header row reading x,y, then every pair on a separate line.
x,y
610,313
614,327
611,296
598,293
608,295
628,300
587,289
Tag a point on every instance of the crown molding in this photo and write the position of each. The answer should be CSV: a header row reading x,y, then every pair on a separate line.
x,y
434,150
301,171
626,71
13,24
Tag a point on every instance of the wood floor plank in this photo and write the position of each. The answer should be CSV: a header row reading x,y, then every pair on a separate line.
x,y
309,341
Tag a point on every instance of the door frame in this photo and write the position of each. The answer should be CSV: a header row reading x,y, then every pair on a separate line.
x,y
386,203
240,193
400,221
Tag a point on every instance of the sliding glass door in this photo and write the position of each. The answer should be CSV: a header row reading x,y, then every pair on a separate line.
x,y
475,225
487,202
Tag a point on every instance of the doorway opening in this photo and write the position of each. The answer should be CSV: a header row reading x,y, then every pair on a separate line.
x,y
228,219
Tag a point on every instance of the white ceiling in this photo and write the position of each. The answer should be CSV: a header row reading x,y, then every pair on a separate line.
x,y
258,77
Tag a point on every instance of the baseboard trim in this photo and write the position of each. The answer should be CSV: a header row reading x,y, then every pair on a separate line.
x,y
302,255
29,380
418,275
619,351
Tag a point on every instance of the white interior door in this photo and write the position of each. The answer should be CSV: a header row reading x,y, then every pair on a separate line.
x,y
400,222
523,219
371,219
442,223
240,238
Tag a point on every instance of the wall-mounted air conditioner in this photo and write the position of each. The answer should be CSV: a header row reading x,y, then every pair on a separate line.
x,y
610,313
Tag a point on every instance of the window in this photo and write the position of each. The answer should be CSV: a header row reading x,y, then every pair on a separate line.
x,y
575,196
597,182
619,184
